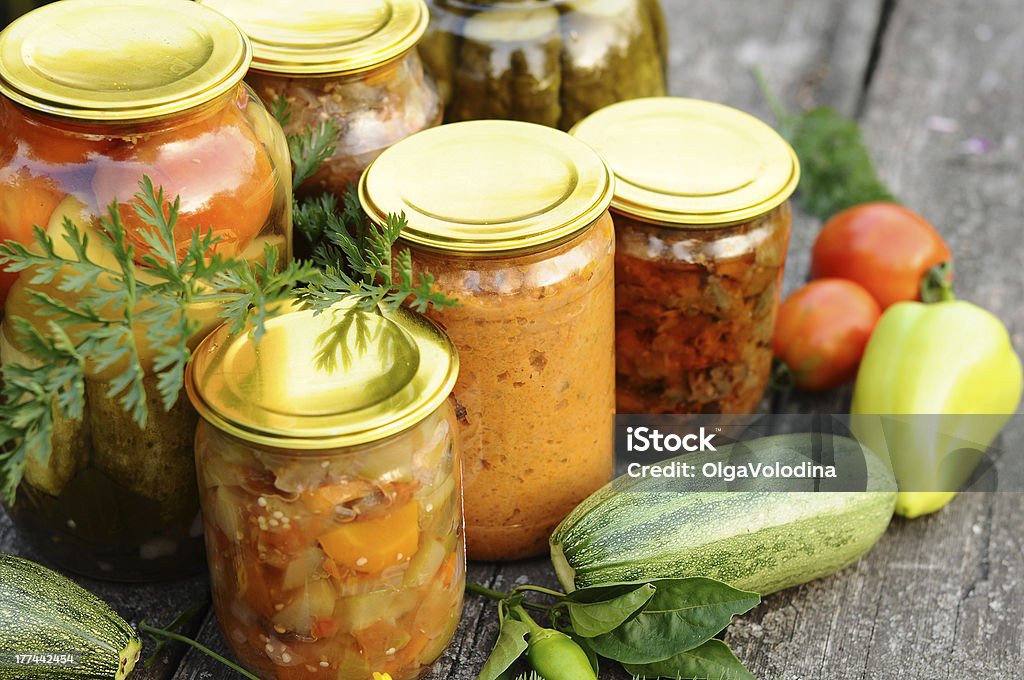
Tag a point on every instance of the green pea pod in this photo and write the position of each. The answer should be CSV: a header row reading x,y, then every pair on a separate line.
x,y
557,657
950,365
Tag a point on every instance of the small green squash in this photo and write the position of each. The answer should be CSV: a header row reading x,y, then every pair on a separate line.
x,y
42,612
760,536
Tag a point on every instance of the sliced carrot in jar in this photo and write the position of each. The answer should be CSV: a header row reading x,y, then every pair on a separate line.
x,y
373,545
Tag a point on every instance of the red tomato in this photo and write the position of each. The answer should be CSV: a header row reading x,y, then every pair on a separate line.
x,y
821,331
216,165
39,140
884,247
25,201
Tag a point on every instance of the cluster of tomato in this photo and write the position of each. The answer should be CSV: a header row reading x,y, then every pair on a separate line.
x,y
865,259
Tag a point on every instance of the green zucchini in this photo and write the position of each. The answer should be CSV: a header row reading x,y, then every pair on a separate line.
x,y
766,536
44,613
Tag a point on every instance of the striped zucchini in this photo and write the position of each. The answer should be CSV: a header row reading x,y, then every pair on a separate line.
x,y
639,529
44,613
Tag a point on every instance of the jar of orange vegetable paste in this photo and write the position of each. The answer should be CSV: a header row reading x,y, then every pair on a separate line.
x,y
354,63
94,95
329,477
515,228
702,226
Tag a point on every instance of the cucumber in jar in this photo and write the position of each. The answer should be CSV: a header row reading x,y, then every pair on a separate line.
x,y
613,55
509,66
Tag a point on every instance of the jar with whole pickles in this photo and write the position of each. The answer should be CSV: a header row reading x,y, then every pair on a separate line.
x,y
328,466
544,61
702,228
514,225
95,95
354,63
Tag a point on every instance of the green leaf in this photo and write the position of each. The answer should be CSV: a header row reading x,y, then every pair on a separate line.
x,y
600,610
711,661
683,614
509,647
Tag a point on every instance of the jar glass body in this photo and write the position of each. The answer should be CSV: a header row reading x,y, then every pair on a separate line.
x,y
372,110
551,62
695,310
114,500
336,562
536,385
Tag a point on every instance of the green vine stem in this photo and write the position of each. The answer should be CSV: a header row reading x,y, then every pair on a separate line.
x,y
160,632
500,596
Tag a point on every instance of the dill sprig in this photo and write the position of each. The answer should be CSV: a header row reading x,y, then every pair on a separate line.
x,y
94,312
358,262
836,167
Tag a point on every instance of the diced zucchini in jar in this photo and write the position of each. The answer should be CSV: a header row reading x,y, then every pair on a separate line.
x,y
305,607
424,567
304,568
362,611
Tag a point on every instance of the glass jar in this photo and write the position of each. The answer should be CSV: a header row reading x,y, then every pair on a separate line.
x,y
328,465
82,120
354,63
544,61
702,229
515,227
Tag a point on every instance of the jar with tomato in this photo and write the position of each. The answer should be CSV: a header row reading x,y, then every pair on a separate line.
x,y
516,229
544,61
353,63
702,228
328,464
94,96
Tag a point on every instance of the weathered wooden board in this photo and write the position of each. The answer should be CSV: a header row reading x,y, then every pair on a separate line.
x,y
941,597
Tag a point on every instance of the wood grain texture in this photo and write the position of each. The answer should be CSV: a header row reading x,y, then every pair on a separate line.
x,y
941,597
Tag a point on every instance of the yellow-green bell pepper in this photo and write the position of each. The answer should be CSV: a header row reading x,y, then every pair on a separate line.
x,y
950,365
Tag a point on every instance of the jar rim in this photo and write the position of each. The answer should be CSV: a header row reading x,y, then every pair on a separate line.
x,y
342,377
507,187
691,163
327,37
61,60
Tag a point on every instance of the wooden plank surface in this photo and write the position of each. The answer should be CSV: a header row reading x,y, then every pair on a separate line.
x,y
940,597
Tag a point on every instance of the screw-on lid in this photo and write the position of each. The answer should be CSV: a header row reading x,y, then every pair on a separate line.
x,y
691,162
115,60
488,186
323,37
340,378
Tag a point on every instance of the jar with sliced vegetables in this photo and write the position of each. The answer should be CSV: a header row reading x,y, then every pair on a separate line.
x,y
702,228
515,227
354,64
138,88
551,62
328,465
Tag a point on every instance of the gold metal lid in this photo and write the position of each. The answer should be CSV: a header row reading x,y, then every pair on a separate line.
x,y
324,37
488,186
691,162
340,378
116,60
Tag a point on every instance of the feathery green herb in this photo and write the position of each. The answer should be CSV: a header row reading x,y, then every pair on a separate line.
x,y
310,148
358,262
836,168
93,311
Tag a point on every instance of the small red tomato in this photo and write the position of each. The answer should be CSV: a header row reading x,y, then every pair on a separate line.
x,y
821,331
884,247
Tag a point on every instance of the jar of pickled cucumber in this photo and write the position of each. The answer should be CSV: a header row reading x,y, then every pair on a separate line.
x,y
328,465
514,225
544,61
95,95
354,63
702,227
